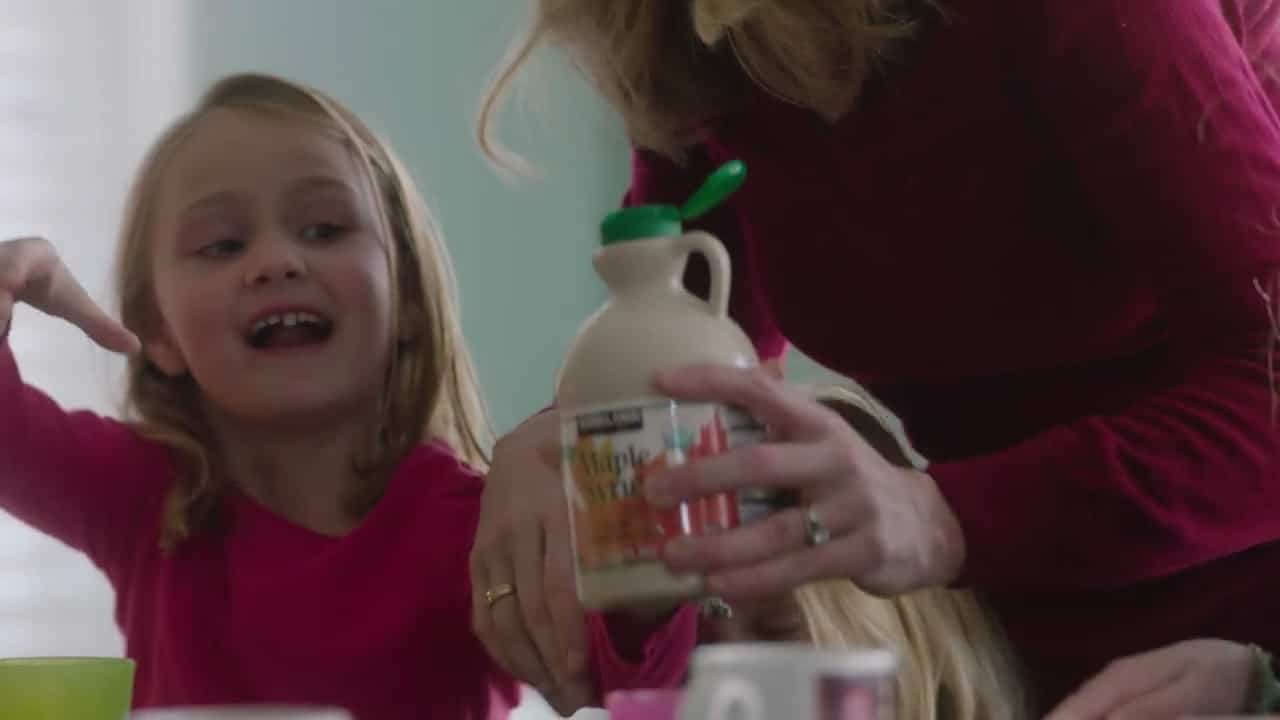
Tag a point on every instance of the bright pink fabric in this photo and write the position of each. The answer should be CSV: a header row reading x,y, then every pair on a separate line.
x,y
377,622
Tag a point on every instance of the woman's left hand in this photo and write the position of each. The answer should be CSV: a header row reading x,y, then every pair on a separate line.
x,y
889,528
1195,678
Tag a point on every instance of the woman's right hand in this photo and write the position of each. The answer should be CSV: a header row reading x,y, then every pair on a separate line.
x,y
538,633
31,272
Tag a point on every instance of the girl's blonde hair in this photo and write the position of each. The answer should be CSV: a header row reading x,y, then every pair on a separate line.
x,y
669,66
956,663
431,391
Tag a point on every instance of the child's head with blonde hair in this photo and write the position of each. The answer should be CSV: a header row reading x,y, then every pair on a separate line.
x,y
669,66
955,662
343,205
958,664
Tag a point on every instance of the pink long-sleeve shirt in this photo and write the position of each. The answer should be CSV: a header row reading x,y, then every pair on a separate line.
x,y
377,621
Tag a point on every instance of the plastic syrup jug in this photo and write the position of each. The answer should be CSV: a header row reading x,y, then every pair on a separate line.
x,y
616,430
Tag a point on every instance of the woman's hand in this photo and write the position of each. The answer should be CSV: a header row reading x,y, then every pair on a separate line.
x,y
1197,677
889,529
538,633
32,273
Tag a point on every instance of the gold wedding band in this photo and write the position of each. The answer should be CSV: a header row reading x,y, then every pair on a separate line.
x,y
497,592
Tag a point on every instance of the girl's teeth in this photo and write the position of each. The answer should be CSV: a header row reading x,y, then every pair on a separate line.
x,y
287,320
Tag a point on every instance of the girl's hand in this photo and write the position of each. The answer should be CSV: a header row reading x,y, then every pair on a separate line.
x,y
1197,677
890,530
32,273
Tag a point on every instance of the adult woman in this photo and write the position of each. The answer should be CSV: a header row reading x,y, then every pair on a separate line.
x,y
1043,233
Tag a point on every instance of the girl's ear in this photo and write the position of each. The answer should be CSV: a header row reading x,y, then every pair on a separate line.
x,y
165,356
161,349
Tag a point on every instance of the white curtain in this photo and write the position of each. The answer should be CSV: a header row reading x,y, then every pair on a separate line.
x,y
84,84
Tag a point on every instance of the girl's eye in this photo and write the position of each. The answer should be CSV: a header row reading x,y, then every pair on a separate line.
x,y
321,231
222,248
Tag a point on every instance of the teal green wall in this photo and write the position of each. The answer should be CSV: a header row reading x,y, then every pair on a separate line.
x,y
415,70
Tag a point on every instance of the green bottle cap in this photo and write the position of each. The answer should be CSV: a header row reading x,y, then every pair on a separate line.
x,y
644,221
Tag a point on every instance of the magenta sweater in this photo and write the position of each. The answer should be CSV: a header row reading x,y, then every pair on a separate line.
x,y
1041,239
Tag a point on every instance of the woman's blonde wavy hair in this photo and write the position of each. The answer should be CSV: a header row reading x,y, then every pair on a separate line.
x,y
670,66
431,391
956,663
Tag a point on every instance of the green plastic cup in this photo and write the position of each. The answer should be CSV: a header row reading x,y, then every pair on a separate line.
x,y
66,688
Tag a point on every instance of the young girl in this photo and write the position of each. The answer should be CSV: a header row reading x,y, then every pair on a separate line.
x,y
286,516
1044,233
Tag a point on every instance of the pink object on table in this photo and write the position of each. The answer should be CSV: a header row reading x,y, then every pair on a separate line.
x,y
643,704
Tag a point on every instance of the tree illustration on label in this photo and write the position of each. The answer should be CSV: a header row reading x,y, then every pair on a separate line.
x,y
613,523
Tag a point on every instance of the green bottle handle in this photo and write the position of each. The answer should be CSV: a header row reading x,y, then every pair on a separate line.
x,y
719,185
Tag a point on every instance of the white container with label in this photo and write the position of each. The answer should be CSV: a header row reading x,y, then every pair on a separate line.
x,y
616,430
772,681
